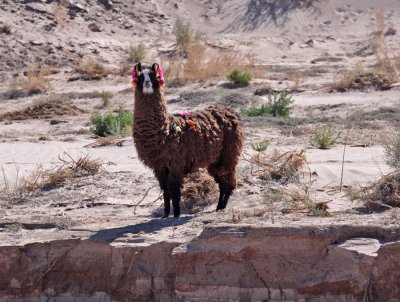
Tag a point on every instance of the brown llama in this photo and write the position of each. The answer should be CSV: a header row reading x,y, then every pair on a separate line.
x,y
174,146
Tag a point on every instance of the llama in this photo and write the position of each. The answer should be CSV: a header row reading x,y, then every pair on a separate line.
x,y
174,146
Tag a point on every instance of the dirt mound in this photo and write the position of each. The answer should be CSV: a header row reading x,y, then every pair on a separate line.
x,y
43,110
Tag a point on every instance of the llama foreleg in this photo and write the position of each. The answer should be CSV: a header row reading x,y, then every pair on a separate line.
x,y
162,177
174,188
226,186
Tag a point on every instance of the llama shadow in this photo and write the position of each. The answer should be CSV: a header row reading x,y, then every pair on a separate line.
x,y
151,226
261,12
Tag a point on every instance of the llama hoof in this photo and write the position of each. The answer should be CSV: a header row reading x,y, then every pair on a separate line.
x,y
165,216
219,209
176,215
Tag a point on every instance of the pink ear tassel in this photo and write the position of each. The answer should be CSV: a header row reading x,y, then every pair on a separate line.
x,y
134,75
161,74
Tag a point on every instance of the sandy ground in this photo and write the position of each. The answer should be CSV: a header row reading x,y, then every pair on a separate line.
x,y
103,206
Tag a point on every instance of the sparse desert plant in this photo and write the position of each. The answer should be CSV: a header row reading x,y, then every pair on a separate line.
x,y
106,97
324,137
91,68
5,29
46,179
279,104
183,34
202,64
36,83
111,124
135,53
260,146
254,111
392,151
240,77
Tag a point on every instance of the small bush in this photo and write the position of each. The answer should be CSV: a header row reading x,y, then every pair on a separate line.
x,y
106,97
324,138
260,146
91,68
110,124
238,76
183,34
279,104
135,53
5,29
392,151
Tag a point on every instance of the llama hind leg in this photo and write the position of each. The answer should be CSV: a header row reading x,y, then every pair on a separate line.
x,y
162,177
227,184
174,188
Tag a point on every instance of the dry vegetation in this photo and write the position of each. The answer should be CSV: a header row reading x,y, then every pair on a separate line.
x,y
202,64
381,195
47,179
43,110
383,74
359,79
275,165
199,190
283,187
91,69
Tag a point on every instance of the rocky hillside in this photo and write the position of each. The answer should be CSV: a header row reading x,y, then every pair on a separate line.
x,y
59,32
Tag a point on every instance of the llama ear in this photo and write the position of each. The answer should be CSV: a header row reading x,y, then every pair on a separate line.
x,y
136,73
155,68
159,73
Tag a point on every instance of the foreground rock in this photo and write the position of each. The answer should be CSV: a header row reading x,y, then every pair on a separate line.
x,y
229,263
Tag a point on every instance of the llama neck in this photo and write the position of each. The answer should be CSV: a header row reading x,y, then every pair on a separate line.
x,y
151,113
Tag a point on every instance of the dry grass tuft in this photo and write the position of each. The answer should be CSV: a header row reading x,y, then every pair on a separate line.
x,y
354,80
43,110
276,165
383,194
91,69
199,190
70,169
36,82
203,63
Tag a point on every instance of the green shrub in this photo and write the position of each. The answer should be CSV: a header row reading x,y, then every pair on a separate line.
x,y
5,29
183,34
238,76
111,124
324,137
106,97
260,146
278,104
392,151
135,53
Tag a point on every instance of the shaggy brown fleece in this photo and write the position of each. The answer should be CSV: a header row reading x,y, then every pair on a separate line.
x,y
211,138
216,143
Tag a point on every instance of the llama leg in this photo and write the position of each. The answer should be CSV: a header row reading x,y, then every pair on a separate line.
x,y
221,185
230,186
162,177
174,187
226,186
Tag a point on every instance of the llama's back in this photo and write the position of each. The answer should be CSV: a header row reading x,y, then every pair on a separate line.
x,y
216,135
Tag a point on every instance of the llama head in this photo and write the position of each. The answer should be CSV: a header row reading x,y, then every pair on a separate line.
x,y
147,79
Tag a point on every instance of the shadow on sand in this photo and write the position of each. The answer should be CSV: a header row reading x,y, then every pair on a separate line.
x,y
151,226
261,12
